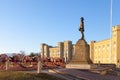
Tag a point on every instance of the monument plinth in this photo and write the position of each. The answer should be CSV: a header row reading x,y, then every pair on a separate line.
x,y
81,59
81,55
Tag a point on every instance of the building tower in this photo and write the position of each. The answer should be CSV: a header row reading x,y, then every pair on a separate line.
x,y
42,49
68,50
46,51
116,45
92,50
60,49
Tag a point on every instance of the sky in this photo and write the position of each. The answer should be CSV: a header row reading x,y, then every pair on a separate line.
x,y
25,24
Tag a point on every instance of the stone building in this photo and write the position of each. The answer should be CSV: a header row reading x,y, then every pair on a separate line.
x,y
105,51
62,50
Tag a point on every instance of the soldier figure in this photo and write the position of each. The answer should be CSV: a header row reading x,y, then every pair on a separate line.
x,y
81,29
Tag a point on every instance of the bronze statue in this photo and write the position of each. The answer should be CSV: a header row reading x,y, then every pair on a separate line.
x,y
81,28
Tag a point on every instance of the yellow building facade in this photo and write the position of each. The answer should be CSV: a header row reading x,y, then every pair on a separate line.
x,y
107,51
62,50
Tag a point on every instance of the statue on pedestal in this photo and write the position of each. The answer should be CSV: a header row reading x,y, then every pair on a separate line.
x,y
81,28
81,58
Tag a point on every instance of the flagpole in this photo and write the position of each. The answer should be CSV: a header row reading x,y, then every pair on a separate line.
x,y
110,31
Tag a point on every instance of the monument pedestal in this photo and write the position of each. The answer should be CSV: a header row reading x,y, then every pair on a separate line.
x,y
80,66
81,58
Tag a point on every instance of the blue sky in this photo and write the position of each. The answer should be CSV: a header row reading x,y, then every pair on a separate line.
x,y
25,24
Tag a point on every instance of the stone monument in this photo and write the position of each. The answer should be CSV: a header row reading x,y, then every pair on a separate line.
x,y
81,59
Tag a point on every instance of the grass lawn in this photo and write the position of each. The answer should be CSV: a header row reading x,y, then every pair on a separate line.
x,y
15,75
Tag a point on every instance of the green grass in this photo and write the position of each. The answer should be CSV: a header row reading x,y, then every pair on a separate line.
x,y
14,75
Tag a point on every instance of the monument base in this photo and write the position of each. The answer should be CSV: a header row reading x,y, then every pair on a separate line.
x,y
81,59
80,66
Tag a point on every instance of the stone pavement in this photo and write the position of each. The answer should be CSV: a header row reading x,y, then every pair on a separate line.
x,y
74,74
87,75
61,75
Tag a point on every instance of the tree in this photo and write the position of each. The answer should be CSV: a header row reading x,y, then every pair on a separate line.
x,y
32,54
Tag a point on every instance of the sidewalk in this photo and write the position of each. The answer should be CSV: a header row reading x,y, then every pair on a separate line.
x,y
87,75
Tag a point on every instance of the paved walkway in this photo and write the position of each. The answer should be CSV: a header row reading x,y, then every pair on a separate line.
x,y
87,75
63,75
73,74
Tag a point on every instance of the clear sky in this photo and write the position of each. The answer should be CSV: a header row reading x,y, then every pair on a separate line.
x,y
25,24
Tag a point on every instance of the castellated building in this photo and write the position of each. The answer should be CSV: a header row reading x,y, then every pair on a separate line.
x,y
62,50
105,51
